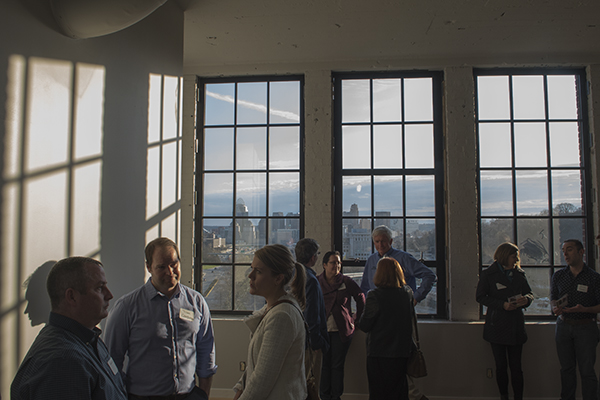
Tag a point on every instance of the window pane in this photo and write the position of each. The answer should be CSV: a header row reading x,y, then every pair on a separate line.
x,y
532,193
356,195
251,148
219,104
251,195
496,193
493,233
216,286
218,149
388,195
429,304
420,196
420,238
562,97
494,145
492,97
356,147
418,99
387,143
284,102
284,193
252,103
243,299
564,229
534,241
419,146
284,147
564,144
530,145
355,100
216,241
539,282
218,195
528,97
567,192
387,100
285,231
247,239
356,239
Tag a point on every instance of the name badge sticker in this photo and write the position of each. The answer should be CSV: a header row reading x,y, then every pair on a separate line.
x,y
582,288
500,286
342,287
186,315
113,366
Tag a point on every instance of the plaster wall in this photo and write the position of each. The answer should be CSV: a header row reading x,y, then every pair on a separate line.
x,y
458,361
36,229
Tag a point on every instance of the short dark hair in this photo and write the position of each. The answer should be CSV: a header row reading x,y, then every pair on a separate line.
x,y
576,242
160,242
305,249
389,273
68,273
328,255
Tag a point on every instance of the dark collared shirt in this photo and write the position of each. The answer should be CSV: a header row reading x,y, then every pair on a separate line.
x,y
582,289
314,312
67,361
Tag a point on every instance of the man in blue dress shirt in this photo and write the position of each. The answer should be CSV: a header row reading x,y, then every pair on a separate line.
x,y
68,360
412,268
165,330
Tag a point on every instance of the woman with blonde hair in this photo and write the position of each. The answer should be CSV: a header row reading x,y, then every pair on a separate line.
x,y
504,290
387,319
275,363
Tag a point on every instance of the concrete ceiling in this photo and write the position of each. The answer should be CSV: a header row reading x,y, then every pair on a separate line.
x,y
234,32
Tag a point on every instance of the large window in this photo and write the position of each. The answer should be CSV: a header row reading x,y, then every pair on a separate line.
x,y
532,169
249,181
388,163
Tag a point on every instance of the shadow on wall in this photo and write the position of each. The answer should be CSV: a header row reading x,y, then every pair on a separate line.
x,y
36,295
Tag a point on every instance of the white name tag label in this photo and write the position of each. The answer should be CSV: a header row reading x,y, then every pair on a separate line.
x,y
186,315
342,286
500,286
113,366
582,288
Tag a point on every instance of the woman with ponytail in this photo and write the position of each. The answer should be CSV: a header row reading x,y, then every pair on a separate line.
x,y
275,363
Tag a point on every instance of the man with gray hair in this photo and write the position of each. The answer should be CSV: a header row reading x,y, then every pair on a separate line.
x,y
412,268
68,359
307,253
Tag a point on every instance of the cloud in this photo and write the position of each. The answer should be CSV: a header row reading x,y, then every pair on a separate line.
x,y
254,106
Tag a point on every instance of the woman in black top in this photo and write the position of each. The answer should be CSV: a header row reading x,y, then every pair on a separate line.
x,y
387,319
504,290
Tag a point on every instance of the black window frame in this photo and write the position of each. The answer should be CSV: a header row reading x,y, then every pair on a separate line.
x,y
584,168
199,170
438,171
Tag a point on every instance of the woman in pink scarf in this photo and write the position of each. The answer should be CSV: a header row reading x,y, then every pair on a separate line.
x,y
338,289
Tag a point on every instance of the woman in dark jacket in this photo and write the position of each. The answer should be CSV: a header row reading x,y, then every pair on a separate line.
x,y
504,290
338,290
387,320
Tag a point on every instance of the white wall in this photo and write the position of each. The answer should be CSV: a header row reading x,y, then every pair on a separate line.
x,y
93,95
